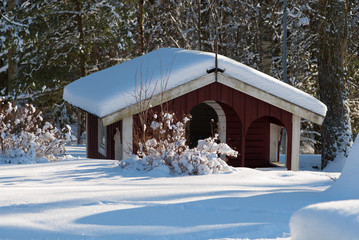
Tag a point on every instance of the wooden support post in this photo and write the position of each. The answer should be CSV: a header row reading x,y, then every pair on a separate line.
x,y
295,142
127,137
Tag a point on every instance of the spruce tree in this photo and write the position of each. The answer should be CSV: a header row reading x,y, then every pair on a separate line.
x,y
336,129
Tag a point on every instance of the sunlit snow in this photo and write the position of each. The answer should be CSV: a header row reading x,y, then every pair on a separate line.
x,y
95,199
338,216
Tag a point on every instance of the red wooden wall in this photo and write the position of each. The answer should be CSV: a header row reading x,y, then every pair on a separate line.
x,y
233,132
241,112
257,142
247,118
92,138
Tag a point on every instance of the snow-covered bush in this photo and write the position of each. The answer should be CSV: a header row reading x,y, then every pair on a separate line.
x,y
166,146
25,134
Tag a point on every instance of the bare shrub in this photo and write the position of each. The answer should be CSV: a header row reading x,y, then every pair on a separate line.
x,y
25,134
166,145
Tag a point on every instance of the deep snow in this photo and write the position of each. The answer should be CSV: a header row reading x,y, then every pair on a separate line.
x,y
338,218
95,199
328,220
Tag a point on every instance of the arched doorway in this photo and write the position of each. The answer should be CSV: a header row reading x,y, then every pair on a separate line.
x,y
226,124
263,143
204,123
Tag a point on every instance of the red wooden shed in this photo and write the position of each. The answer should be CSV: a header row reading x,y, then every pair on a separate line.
x,y
251,108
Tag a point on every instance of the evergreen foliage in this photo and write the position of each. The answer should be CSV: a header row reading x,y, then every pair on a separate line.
x,y
62,41
336,129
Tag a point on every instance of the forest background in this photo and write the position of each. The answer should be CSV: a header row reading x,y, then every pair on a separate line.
x,y
46,44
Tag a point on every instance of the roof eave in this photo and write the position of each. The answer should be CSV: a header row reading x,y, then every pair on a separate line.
x,y
159,99
206,80
270,98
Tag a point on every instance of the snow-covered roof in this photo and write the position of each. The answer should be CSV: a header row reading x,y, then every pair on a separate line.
x,y
113,89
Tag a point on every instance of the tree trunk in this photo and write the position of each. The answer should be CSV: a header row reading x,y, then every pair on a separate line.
x,y
12,62
265,36
82,54
83,71
141,37
80,125
199,26
336,130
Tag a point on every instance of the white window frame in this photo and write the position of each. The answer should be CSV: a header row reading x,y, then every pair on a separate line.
x,y
102,135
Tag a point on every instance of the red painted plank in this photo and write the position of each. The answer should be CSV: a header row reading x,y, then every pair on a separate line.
x,y
183,101
192,100
267,141
213,92
275,112
201,95
207,92
224,94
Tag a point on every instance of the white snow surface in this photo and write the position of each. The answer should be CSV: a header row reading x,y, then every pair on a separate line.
x,y
112,89
96,199
337,219
347,185
329,220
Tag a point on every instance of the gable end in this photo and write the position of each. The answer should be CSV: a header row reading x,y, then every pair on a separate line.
x,y
270,98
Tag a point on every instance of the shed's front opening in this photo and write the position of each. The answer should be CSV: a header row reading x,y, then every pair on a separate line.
x,y
264,143
204,124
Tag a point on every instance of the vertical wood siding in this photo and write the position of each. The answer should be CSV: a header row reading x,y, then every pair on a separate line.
x,y
111,131
92,138
241,111
233,133
248,121
257,143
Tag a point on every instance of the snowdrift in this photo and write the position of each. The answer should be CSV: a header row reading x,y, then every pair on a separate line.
x,y
337,219
330,221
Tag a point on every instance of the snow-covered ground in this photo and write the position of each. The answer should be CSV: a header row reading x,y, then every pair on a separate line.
x,y
328,220
95,199
338,216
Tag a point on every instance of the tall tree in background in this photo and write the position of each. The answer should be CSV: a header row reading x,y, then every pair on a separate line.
x,y
336,129
265,14
68,40
10,43
302,59
353,64
82,60
12,56
45,45
140,28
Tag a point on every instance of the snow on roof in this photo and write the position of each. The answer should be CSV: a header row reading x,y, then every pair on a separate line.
x,y
112,89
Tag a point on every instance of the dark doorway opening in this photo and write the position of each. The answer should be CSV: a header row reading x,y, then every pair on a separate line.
x,y
204,123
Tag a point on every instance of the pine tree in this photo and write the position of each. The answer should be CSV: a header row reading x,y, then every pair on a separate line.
x,y
11,40
353,64
70,39
336,130
63,41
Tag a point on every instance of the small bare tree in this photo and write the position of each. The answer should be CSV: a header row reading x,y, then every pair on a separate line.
x,y
144,95
24,133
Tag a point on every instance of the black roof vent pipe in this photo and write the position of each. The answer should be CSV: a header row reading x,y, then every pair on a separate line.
x,y
215,69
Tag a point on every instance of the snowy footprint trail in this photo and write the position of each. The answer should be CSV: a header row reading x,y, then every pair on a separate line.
x,y
95,199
